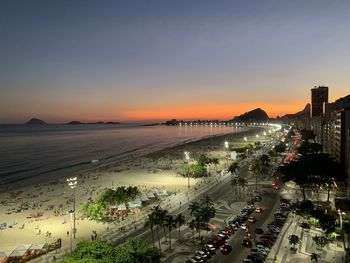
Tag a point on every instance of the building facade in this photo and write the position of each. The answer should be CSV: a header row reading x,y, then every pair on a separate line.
x,y
319,99
330,123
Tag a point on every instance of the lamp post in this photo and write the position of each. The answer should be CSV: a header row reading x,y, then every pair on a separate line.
x,y
72,182
71,213
341,218
245,139
187,156
226,146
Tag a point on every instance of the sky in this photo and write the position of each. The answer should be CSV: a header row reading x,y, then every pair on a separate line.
x,y
157,60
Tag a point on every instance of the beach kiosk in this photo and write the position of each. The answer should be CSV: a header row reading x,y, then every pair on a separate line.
x,y
19,254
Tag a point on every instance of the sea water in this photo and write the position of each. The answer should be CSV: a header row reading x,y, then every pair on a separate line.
x,y
30,154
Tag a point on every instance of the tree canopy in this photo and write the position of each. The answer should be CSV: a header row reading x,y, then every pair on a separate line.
x,y
312,170
132,251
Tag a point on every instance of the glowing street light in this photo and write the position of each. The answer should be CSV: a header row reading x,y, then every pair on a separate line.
x,y
72,182
264,133
187,156
226,146
257,136
341,218
245,138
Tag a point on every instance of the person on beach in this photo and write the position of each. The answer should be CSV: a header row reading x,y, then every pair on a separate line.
x,y
67,233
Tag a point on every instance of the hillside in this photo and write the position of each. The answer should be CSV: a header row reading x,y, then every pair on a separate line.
x,y
253,115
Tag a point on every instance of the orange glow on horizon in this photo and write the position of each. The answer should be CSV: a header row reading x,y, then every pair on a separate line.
x,y
211,111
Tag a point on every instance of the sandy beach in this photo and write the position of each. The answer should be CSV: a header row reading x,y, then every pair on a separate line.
x,y
30,212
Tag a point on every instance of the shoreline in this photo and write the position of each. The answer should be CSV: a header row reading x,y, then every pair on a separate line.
x,y
155,171
25,182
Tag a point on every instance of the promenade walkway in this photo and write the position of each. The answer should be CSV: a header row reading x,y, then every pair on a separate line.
x,y
281,253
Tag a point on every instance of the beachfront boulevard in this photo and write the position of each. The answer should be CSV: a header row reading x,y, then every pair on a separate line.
x,y
46,227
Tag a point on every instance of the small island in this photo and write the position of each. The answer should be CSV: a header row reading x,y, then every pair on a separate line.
x,y
35,121
98,122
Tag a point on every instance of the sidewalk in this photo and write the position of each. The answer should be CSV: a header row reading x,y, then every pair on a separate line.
x,y
280,252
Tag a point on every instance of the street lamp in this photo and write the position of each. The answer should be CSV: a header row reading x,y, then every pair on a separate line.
x,y
264,133
245,139
341,218
72,182
257,136
187,156
71,216
226,146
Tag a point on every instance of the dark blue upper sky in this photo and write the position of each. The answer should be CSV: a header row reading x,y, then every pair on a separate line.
x,y
134,59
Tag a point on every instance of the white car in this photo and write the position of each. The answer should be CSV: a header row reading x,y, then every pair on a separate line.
x,y
244,226
262,251
261,247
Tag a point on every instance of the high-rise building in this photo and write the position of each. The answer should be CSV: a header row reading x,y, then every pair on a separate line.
x,y
319,99
330,123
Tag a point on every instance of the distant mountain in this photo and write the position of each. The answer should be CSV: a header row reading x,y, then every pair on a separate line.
x,y
74,122
305,113
253,115
35,121
98,122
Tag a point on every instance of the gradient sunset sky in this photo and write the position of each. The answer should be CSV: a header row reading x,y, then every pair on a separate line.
x,y
156,60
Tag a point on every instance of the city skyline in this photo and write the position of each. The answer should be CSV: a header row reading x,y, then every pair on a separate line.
x,y
153,61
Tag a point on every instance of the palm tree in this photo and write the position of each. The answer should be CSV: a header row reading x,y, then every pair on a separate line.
x,y
194,207
207,201
233,168
234,183
158,216
180,219
242,182
170,223
192,225
320,241
151,222
260,167
294,240
314,257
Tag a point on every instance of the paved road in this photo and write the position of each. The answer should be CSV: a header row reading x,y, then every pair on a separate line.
x,y
269,204
222,190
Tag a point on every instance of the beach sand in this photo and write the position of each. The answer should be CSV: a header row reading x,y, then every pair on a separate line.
x,y
153,172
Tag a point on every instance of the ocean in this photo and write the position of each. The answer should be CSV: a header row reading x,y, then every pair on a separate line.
x,y
33,154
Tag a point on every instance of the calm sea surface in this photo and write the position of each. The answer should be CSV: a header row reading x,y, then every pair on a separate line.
x,y
29,154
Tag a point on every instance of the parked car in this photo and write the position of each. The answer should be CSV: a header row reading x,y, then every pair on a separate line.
x,y
256,257
198,259
209,248
258,250
224,236
262,247
244,226
246,242
257,198
267,242
258,210
203,255
226,249
251,219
